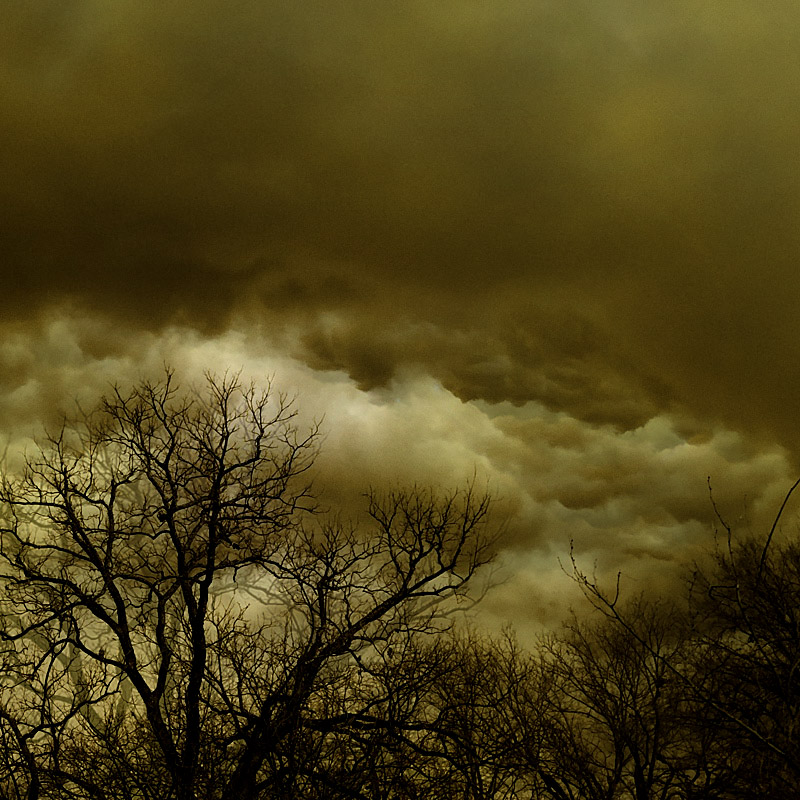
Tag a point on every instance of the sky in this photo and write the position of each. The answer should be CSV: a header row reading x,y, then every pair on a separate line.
x,y
552,244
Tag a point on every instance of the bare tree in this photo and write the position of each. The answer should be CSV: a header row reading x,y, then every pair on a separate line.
x,y
619,723
738,667
185,622
748,620
482,713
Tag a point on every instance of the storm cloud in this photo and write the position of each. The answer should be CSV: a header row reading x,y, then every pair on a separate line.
x,y
560,236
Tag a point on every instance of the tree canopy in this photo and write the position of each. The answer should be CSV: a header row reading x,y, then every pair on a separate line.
x,y
179,619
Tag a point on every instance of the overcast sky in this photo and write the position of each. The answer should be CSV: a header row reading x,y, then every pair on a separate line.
x,y
554,243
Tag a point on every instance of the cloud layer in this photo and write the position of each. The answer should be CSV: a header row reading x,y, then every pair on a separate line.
x,y
556,240
635,502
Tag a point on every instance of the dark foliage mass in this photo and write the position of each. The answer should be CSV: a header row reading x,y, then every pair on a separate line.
x,y
179,620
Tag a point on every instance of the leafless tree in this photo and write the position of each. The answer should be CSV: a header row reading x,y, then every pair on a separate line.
x,y
449,714
747,606
484,716
179,619
619,722
738,668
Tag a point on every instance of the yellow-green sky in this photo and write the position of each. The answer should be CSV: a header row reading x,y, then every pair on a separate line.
x,y
554,242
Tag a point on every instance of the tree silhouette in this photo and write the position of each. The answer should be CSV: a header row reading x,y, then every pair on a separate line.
x,y
180,621
736,670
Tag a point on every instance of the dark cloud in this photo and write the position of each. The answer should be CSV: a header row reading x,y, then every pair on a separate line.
x,y
633,500
562,361
592,205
